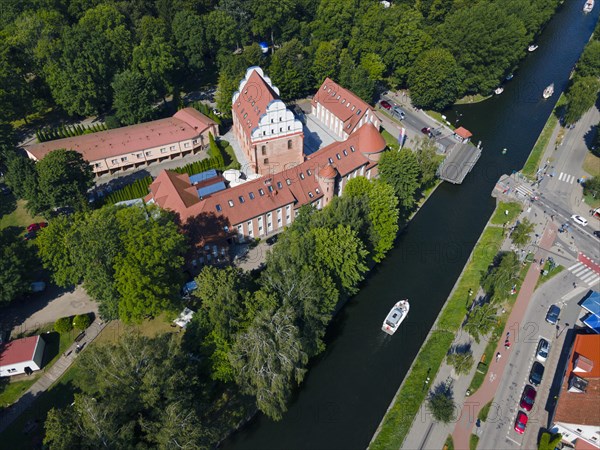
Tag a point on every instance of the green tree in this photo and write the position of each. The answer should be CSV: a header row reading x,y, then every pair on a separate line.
x,y
549,441
268,16
592,187
499,282
334,20
325,63
223,31
21,176
522,233
480,321
589,62
63,325
63,180
461,361
82,321
16,93
54,249
268,360
17,262
441,405
148,271
355,78
373,65
581,96
288,70
400,169
434,79
133,97
428,161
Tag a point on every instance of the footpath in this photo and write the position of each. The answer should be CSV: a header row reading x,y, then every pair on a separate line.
x,y
49,377
473,404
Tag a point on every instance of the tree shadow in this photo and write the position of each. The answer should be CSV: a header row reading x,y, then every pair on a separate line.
x,y
8,202
206,232
460,348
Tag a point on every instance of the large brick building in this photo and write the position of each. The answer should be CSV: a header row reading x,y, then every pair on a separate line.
x,y
136,145
268,133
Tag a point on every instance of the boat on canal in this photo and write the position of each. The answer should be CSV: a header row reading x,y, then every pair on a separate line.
x,y
396,316
509,77
532,48
589,5
549,91
499,90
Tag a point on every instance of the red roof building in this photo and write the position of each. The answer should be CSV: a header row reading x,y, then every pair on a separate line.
x,y
136,145
577,412
268,132
21,356
462,134
341,110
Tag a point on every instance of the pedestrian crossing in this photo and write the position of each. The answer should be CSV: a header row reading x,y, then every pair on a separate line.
x,y
566,178
585,274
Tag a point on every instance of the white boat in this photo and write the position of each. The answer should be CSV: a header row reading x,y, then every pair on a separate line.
x,y
396,316
532,48
509,77
589,5
549,91
499,90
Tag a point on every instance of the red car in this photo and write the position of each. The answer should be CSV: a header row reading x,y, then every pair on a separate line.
x,y
385,105
521,422
425,130
33,227
528,398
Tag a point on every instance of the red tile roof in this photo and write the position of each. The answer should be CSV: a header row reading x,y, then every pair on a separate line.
x,y
184,125
255,96
463,133
342,103
581,408
19,350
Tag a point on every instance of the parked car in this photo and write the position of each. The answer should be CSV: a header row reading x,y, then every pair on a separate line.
x,y
189,287
30,235
385,105
528,398
552,315
597,234
4,190
580,220
271,240
33,227
426,130
43,224
37,286
543,349
521,422
397,111
536,374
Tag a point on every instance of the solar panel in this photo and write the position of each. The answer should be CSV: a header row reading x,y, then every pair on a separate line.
x,y
211,189
203,176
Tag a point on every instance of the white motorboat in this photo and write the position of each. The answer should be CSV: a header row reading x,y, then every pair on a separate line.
x,y
509,77
589,5
532,48
396,316
499,90
549,91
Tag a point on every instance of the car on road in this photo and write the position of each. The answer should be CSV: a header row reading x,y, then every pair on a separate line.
x,y
542,351
397,111
597,234
528,398
385,105
536,374
580,220
552,314
426,130
521,422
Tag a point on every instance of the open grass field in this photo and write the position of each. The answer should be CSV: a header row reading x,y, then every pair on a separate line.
x,y
14,214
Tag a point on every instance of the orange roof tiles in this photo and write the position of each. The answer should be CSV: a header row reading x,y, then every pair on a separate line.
x,y
581,408
342,103
184,125
463,132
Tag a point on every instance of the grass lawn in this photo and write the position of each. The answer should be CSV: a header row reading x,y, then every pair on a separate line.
x,y
551,274
449,444
438,116
500,216
115,329
390,140
17,215
591,164
468,99
14,389
399,418
483,413
473,441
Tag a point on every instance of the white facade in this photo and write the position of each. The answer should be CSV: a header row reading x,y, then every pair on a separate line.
x,y
571,432
277,121
34,363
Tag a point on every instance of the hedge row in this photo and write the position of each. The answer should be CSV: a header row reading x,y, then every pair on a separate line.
x,y
65,131
206,110
137,189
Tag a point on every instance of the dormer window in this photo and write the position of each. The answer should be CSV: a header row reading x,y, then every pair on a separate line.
x,y
343,101
218,208
230,203
279,185
330,160
338,97
251,195
245,115
358,112
317,191
324,87
345,152
310,194
270,188
301,176
288,181
241,198
353,108
352,148
337,155
308,172
261,192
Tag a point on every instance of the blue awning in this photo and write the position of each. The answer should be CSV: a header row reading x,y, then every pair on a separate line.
x,y
211,189
203,176
593,322
592,303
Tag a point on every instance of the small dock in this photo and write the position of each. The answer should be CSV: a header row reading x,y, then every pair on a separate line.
x,y
459,162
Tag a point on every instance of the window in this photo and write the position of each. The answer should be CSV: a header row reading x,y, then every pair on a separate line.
x,y
269,215
289,128
358,112
279,185
218,208
301,176
124,159
330,160
261,192
345,152
139,155
348,127
172,147
579,430
278,220
287,217
289,144
317,191
311,195
115,161
343,101
308,172
271,120
163,150
337,155
148,153
263,150
352,108
226,229
280,129
195,141
266,161
352,149
288,181
271,188
230,202
251,195
260,228
97,165
287,208
280,118
241,198
245,115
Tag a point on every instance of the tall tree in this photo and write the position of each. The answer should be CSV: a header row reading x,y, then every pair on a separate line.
x,y
21,176
589,62
288,70
268,16
334,20
499,282
581,96
481,321
189,31
400,169
17,262
133,97
521,233
326,61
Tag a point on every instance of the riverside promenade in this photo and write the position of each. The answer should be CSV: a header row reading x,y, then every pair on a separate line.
x,y
473,404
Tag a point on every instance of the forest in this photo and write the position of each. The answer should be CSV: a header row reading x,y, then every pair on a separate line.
x,y
90,57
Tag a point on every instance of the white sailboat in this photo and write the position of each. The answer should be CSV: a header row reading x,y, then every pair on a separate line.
x,y
589,5
395,317
532,48
499,90
549,91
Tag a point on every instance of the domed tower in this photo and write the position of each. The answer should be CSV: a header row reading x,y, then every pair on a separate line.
x,y
326,178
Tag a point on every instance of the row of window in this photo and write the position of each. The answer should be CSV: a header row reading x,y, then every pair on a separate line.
x,y
163,150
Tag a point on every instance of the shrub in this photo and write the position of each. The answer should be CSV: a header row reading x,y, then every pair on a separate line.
x,y
63,325
82,321
112,122
441,405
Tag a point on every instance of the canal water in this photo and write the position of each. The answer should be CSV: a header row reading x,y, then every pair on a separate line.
x,y
350,386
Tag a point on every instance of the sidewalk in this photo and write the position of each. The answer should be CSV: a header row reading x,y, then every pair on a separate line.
x,y
48,378
471,407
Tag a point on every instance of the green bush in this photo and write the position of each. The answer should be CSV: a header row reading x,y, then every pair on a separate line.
x,y
63,325
82,321
137,189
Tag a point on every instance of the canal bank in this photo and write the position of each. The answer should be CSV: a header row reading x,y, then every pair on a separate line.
x,y
349,387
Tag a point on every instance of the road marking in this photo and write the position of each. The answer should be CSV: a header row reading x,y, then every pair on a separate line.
x,y
566,178
511,439
586,274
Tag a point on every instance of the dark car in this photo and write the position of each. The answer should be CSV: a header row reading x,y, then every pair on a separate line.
x,y
29,235
521,422
552,315
528,398
385,105
425,130
597,234
536,374
271,240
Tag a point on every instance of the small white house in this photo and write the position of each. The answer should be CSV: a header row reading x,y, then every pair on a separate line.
x,y
21,356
